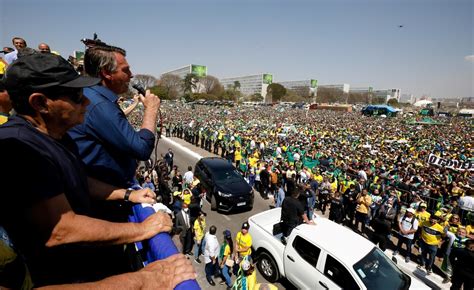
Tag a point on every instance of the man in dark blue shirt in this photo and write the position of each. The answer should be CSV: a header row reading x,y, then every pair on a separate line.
x,y
108,144
47,213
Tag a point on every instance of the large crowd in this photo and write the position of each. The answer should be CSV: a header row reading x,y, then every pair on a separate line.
x,y
369,172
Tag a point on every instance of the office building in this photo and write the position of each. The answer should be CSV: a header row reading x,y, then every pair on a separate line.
x,y
195,69
251,84
386,94
343,87
303,88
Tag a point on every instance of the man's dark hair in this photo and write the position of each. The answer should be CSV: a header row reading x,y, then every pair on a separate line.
x,y
7,49
295,193
101,57
190,168
212,230
16,37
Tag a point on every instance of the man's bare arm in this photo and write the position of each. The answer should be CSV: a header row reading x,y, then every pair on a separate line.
x,y
55,218
103,191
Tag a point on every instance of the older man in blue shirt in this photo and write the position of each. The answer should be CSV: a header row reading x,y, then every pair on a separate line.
x,y
107,143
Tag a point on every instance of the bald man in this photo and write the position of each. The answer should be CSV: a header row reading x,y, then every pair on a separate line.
x,y
43,47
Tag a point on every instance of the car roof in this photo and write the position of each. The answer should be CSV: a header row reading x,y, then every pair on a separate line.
x,y
341,242
216,163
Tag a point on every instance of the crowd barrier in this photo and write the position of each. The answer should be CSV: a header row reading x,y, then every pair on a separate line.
x,y
160,246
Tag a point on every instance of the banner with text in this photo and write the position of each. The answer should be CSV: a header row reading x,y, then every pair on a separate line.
x,y
450,163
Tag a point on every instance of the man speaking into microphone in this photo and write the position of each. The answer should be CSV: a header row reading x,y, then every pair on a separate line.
x,y
107,143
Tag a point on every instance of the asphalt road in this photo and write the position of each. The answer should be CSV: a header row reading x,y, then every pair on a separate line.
x,y
187,155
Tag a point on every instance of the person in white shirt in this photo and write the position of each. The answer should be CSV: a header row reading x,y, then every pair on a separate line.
x,y
211,252
408,225
188,176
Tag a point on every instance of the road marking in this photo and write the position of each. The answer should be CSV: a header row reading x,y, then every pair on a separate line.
x,y
189,151
226,217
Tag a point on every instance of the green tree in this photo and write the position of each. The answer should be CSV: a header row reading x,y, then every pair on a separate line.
x,y
255,98
275,92
161,92
378,100
330,95
393,102
189,84
172,83
237,85
357,98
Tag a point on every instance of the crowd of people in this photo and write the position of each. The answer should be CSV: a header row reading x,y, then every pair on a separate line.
x,y
369,172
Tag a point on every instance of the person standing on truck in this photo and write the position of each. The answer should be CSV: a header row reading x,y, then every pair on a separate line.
x,y
292,214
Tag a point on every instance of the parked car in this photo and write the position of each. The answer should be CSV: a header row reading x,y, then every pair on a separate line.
x,y
323,256
226,189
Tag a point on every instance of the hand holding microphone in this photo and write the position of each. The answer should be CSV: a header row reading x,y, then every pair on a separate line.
x,y
148,99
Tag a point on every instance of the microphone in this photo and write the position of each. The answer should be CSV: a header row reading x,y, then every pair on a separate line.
x,y
139,88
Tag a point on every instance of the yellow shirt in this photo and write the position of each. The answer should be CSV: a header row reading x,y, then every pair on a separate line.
x,y
253,161
199,229
318,178
431,234
244,241
238,155
363,203
3,68
345,185
422,216
186,197
3,119
334,186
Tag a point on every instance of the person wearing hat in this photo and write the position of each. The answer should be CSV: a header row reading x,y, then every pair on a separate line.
x,y
54,221
225,258
243,243
408,225
431,235
107,143
422,215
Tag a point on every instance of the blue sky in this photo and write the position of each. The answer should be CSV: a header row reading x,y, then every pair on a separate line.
x,y
356,42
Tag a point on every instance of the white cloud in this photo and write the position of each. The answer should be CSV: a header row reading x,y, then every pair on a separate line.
x,y
469,58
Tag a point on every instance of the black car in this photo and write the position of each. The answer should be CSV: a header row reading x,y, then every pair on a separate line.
x,y
226,189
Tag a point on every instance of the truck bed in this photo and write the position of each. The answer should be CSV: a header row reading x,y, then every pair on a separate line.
x,y
266,220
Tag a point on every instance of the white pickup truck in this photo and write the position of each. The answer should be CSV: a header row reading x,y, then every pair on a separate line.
x,y
323,256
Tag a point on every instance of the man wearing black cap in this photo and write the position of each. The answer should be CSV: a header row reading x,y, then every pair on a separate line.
x,y
243,243
47,217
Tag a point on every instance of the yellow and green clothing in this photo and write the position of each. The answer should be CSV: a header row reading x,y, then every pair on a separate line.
x,y
199,228
432,234
422,216
243,241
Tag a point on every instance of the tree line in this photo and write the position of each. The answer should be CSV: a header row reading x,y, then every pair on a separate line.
x,y
172,87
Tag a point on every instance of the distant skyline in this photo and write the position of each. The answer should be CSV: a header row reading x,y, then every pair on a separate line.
x,y
339,41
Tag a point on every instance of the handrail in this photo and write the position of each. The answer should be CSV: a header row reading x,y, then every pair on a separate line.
x,y
161,246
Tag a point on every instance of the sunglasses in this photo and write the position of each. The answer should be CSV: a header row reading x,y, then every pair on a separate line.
x,y
75,95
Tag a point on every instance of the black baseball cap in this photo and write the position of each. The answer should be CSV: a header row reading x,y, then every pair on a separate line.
x,y
44,70
245,226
